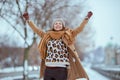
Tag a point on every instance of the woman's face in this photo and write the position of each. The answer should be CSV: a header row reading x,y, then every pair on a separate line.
x,y
58,25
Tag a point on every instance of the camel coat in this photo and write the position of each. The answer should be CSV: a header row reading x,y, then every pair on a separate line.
x,y
75,70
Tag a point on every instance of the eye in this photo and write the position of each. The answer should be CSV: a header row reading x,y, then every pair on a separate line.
x,y
60,23
55,23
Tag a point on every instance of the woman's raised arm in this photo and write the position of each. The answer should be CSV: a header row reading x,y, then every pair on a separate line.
x,y
82,25
33,26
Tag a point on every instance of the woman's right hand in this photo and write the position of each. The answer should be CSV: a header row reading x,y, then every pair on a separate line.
x,y
26,16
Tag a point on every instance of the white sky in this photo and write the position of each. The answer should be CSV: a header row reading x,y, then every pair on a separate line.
x,y
106,20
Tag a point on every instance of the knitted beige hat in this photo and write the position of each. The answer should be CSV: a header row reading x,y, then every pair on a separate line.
x,y
58,19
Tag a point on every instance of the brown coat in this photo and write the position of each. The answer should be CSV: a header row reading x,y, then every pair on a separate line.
x,y
75,70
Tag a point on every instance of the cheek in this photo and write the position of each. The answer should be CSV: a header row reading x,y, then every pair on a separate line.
x,y
54,26
61,27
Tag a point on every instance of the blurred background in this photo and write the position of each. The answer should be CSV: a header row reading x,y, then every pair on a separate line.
x,y
98,44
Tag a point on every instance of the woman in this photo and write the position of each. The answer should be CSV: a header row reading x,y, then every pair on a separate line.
x,y
60,61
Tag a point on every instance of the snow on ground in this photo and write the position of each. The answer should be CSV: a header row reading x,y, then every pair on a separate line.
x,y
93,75
18,69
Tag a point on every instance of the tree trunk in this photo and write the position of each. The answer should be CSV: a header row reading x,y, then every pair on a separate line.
x,y
25,65
25,61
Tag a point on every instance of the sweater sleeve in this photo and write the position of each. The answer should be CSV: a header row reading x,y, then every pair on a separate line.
x,y
80,28
35,29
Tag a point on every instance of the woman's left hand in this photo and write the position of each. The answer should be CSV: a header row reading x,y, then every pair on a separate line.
x,y
89,15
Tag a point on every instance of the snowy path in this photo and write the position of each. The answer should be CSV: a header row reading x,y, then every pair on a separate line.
x,y
93,75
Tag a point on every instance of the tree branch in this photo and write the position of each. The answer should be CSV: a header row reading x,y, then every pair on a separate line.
x,y
2,6
15,29
17,2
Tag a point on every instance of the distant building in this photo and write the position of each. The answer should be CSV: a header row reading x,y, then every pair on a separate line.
x,y
99,55
118,56
11,56
112,54
109,55
96,56
14,56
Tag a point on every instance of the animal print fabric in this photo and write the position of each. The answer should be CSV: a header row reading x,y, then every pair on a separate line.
x,y
57,53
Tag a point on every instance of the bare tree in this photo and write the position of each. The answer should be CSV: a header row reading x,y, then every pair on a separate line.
x,y
42,12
